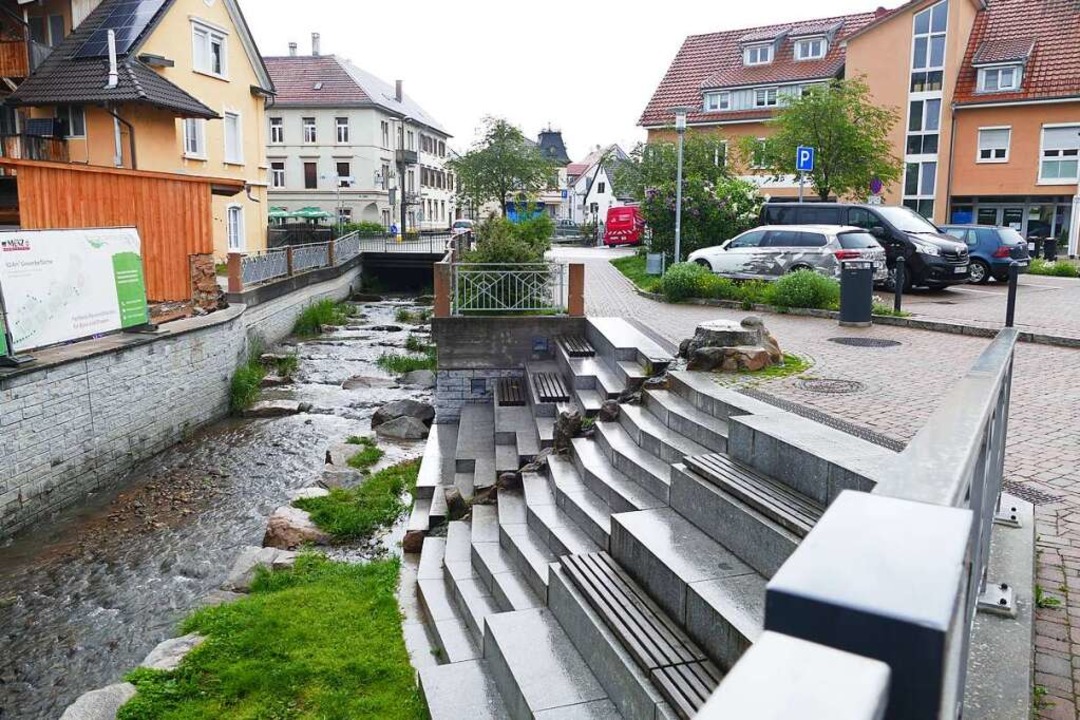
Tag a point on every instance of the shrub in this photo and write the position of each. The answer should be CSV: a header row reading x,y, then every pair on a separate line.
x,y
412,316
399,364
715,287
365,227
684,281
804,289
499,240
314,316
416,345
1063,269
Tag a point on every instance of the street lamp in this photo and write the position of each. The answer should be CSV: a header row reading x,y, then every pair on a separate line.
x,y
680,128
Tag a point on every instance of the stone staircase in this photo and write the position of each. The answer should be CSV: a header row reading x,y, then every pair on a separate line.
x,y
624,580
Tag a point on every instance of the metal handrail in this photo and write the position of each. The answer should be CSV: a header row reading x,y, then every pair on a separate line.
x,y
508,288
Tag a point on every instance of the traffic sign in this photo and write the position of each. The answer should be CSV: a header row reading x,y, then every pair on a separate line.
x,y
804,159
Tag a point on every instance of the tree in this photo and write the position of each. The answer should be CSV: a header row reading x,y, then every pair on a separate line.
x,y
501,162
716,205
848,131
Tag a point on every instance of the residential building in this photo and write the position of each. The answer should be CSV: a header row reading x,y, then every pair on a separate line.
x,y
591,184
988,95
341,139
188,96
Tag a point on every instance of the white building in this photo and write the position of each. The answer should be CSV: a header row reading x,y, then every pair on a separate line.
x,y
590,193
338,138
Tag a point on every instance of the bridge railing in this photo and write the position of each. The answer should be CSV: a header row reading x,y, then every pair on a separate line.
x,y
463,289
898,575
247,270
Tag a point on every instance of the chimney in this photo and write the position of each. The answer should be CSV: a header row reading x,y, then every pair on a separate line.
x,y
114,75
399,93
880,12
292,49
315,44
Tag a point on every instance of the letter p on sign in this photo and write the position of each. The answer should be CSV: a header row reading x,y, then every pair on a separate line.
x,y
804,159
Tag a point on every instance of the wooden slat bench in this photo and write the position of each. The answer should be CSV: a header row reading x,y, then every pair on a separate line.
x,y
777,501
576,346
678,668
511,392
550,387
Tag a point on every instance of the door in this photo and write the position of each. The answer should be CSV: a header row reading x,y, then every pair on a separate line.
x,y
738,257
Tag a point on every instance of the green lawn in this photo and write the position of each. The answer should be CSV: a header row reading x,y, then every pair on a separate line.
x,y
633,267
357,513
399,363
322,641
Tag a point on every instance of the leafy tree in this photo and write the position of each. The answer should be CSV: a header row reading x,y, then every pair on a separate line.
x,y
716,205
849,132
501,162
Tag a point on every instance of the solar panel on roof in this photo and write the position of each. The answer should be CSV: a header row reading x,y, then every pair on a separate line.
x,y
127,19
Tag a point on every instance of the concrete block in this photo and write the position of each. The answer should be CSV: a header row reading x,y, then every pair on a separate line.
x,y
461,690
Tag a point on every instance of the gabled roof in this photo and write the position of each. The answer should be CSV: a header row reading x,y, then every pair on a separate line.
x,y
715,61
64,78
343,85
1044,35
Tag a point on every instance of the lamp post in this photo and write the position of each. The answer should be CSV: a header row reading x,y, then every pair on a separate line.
x,y
680,128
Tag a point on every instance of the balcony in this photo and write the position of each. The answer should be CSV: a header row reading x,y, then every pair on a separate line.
x,y
407,157
34,147
19,55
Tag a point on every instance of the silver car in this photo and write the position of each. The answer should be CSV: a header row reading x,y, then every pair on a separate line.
x,y
766,253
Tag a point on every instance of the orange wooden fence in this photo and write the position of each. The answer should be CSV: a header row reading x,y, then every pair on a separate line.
x,y
173,212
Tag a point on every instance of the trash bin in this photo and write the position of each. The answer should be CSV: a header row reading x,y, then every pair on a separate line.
x,y
1050,249
1035,247
856,293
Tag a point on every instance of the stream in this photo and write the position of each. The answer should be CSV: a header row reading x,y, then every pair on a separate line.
x,y
84,597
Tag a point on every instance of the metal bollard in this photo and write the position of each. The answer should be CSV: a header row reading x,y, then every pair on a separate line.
x,y
899,298
1010,306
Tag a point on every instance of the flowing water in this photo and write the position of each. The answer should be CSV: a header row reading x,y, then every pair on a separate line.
x,y
86,596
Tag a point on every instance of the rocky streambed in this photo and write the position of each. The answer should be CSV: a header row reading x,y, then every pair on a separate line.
x,y
86,596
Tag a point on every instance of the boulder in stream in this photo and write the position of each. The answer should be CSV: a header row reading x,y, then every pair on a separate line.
x,y
247,563
340,478
422,411
100,704
424,379
361,382
366,298
276,409
386,328
403,428
275,381
167,655
307,493
289,528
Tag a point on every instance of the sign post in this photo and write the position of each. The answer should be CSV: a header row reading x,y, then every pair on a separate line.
x,y
804,163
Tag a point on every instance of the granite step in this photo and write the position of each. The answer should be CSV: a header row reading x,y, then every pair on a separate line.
x,y
476,436
473,598
463,481
451,632
539,672
516,426
703,392
484,476
680,415
557,529
652,435
616,489
527,549
495,566
439,509
618,340
641,466
438,460
631,373
545,430
588,402
591,374
588,510
419,516
709,592
462,690
507,458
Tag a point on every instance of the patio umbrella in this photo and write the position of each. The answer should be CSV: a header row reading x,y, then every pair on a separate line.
x,y
279,213
311,213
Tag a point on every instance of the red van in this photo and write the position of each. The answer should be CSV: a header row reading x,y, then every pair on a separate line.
x,y
624,226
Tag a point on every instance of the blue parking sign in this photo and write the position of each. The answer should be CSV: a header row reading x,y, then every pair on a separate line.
x,y
804,159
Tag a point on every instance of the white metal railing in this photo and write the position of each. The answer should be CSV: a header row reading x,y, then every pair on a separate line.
x,y
310,257
261,267
508,288
346,248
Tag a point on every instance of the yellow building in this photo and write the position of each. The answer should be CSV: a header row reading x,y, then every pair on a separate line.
x,y
188,95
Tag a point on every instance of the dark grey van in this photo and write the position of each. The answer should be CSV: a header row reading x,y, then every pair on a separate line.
x,y
931,258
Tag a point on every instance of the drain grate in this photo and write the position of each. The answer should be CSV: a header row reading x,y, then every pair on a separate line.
x,y
825,419
1032,495
831,386
864,342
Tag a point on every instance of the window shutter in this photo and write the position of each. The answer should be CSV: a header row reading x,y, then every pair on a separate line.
x,y
1063,138
991,139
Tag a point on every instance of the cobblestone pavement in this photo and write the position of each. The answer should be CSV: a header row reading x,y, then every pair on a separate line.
x,y
903,385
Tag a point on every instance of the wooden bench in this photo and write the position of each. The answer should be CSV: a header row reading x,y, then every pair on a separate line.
x,y
576,346
510,392
777,501
676,666
550,387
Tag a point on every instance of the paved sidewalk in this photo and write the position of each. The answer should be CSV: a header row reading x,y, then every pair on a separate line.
x,y
903,385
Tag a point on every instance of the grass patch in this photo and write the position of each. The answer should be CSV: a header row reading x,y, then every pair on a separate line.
x,y
247,380
633,267
416,345
1061,268
399,364
322,640
324,312
1044,601
412,316
357,513
287,365
792,365
889,311
368,456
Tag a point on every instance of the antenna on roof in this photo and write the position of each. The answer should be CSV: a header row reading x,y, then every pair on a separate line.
x,y
114,75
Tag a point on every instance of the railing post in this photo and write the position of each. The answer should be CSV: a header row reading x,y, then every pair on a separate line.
x,y
575,302
236,272
330,255
443,289
288,261
1010,305
898,301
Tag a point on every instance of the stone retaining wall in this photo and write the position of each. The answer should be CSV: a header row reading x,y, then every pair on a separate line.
x,y
84,414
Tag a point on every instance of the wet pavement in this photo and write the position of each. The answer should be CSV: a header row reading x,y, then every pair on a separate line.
x,y
86,596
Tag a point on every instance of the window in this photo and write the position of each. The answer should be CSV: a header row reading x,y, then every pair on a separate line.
x,y
385,177
861,218
195,138
209,55
310,134
311,176
442,149
277,130
929,48
235,227
47,29
601,188
344,215
74,119
765,97
924,122
920,182
234,147
757,160
994,144
810,48
717,101
277,174
999,79
342,124
412,140
385,134
412,181
344,174
750,239
1060,153
758,54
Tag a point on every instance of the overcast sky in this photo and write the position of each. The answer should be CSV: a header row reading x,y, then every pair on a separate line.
x,y
587,68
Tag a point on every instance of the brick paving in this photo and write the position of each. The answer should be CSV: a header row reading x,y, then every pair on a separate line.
x,y
903,386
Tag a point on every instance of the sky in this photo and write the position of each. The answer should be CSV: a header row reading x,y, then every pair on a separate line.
x,y
586,68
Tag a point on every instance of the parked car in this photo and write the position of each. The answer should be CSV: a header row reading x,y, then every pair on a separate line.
x,y
766,253
931,258
992,250
625,226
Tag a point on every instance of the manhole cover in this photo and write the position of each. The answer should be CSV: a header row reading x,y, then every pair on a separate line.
x,y
864,342
827,386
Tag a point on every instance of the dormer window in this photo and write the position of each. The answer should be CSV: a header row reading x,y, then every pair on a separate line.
x,y
811,48
765,97
717,101
758,54
1004,78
